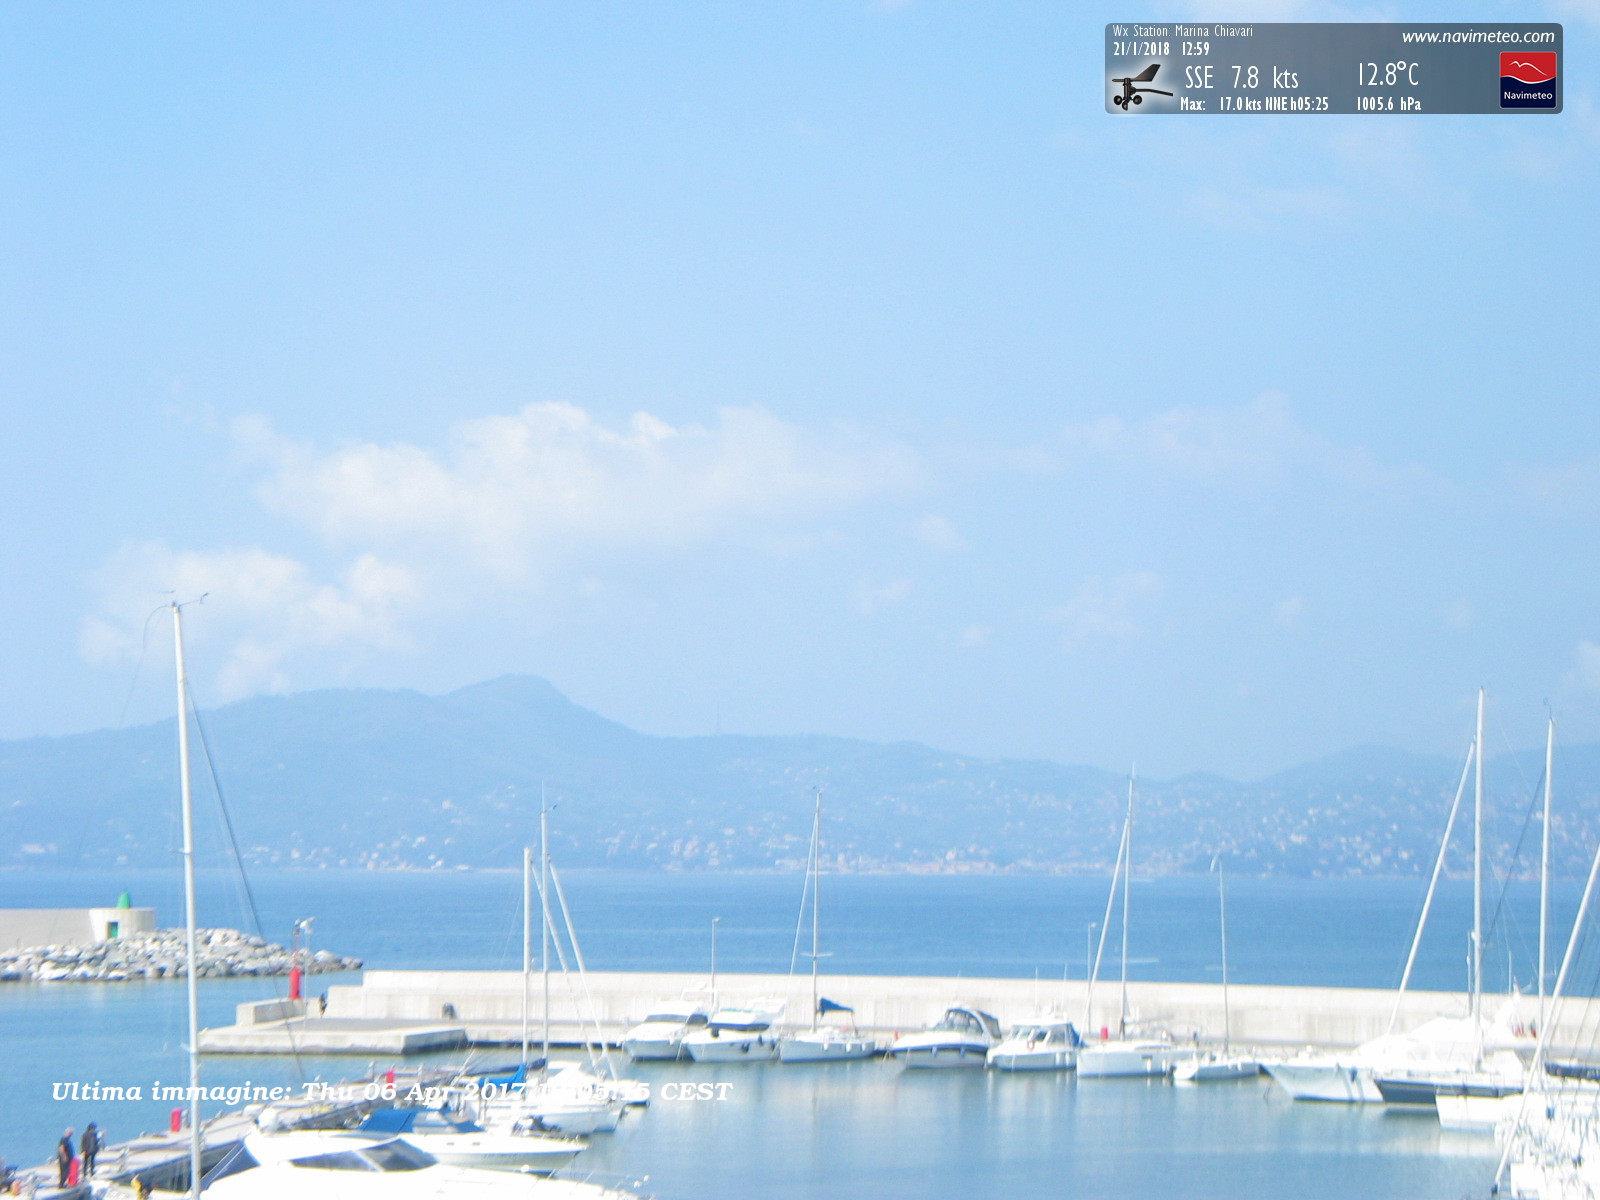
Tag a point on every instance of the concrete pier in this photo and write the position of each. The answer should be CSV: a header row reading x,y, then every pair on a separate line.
x,y
488,1004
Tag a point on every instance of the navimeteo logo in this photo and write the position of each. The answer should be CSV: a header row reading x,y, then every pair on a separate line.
x,y
1528,79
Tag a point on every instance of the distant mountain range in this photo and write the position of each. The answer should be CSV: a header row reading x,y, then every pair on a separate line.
x,y
392,779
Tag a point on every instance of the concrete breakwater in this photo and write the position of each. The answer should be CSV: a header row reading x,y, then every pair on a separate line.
x,y
485,1008
162,954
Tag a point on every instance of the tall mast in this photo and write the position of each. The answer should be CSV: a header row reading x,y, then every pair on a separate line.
x,y
816,880
544,909
1222,900
1477,875
188,904
714,923
527,943
1127,879
1544,861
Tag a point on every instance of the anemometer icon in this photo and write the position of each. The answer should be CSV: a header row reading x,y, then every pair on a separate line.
x,y
1134,95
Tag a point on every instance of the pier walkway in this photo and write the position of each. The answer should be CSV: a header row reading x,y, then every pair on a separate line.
x,y
405,1011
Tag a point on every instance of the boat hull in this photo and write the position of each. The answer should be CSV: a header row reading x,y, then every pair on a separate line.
x,y
1332,1082
536,1162
1216,1070
1411,1093
653,1049
941,1057
726,1049
1112,1061
1032,1060
1475,1114
802,1049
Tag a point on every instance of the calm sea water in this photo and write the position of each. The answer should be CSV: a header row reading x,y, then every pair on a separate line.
x,y
860,1130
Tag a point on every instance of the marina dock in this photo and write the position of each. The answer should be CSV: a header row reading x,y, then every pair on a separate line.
x,y
399,1012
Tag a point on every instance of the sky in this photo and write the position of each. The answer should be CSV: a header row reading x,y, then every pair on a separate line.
x,y
834,368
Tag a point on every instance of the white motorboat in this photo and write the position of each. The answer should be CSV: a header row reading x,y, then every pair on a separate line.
x,y
320,1166
1048,1044
1215,1068
1129,1058
659,1037
962,1038
737,1035
458,1143
820,1043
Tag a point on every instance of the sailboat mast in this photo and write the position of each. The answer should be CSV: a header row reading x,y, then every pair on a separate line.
x,y
544,910
1544,861
1127,879
188,904
527,942
816,880
1222,900
1477,874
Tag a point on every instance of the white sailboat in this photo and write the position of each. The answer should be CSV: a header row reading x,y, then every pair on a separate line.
x,y
1122,1056
1442,1048
1550,1136
821,1043
1221,1065
1482,1060
567,1100
1477,1104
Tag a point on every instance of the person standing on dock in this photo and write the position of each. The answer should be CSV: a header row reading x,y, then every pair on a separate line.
x,y
92,1142
66,1155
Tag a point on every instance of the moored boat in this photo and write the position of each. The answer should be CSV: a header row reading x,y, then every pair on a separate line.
x,y
742,1034
962,1038
659,1037
1048,1044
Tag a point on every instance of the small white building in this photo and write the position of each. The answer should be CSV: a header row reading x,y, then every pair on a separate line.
x,y
22,928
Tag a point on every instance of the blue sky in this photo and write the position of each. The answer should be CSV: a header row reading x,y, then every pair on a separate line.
x,y
831,368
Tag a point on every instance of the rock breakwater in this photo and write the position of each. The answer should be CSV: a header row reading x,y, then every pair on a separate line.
x,y
163,954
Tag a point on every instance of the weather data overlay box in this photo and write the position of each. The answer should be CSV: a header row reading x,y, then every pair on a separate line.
x,y
1278,67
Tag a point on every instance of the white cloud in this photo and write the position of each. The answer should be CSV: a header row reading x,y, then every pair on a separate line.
x,y
509,492
544,502
266,610
1110,609
1290,612
974,636
1458,614
1252,445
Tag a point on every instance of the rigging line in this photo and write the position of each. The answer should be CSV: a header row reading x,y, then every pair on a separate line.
x,y
1516,855
583,973
144,645
238,858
